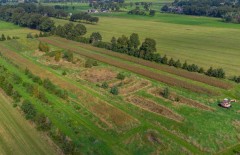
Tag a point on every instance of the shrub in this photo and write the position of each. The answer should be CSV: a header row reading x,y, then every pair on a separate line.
x,y
105,85
114,90
64,73
165,93
89,63
43,47
28,109
120,76
68,56
58,56
29,35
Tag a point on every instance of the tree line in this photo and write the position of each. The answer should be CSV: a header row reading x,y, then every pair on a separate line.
x,y
26,18
3,37
228,10
37,16
84,16
35,93
132,46
138,11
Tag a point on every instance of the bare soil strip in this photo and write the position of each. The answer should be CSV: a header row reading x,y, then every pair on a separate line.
x,y
144,72
180,72
87,99
173,96
154,107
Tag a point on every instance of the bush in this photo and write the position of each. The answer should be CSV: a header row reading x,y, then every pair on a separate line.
x,y
68,56
114,90
235,79
28,109
120,76
43,47
29,35
64,73
58,56
104,85
90,63
165,93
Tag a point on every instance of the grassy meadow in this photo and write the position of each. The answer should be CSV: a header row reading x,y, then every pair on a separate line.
x,y
201,40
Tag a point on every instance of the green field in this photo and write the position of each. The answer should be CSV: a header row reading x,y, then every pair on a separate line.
x,y
139,120
17,136
201,40
11,30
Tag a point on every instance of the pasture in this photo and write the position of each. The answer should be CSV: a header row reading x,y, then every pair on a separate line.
x,y
200,40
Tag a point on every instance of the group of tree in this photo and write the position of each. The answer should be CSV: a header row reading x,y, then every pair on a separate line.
x,y
139,11
232,17
131,46
8,88
9,81
147,50
235,79
3,38
218,73
84,17
44,34
110,5
226,9
24,17
70,31
47,84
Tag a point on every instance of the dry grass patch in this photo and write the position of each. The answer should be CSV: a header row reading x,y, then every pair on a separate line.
x,y
151,106
97,74
131,88
113,117
126,81
180,99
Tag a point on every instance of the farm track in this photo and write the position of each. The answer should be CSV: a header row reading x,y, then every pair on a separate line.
x,y
144,72
179,72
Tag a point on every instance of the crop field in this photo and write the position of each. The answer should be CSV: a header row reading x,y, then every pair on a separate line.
x,y
85,111
181,37
17,136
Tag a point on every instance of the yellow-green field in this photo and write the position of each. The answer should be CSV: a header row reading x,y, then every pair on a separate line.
x,y
17,136
204,41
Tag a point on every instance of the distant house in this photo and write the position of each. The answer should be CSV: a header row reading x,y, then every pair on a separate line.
x,y
104,10
21,1
92,11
